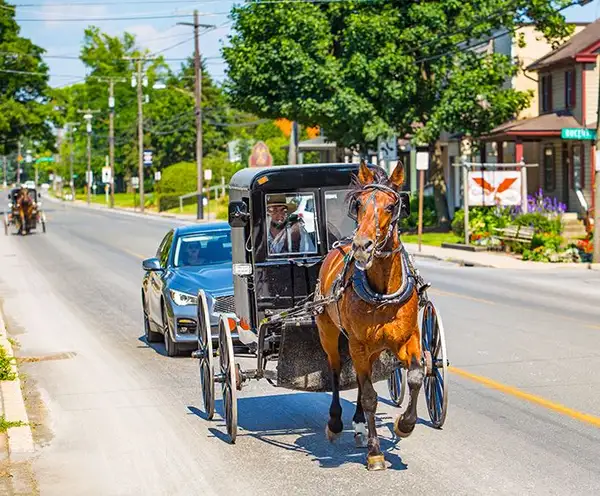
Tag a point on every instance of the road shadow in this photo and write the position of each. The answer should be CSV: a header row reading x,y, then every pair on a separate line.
x,y
296,422
160,349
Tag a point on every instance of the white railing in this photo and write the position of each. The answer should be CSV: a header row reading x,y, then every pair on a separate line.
x,y
221,187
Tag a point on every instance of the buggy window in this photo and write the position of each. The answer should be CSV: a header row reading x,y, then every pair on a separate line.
x,y
203,249
291,223
339,225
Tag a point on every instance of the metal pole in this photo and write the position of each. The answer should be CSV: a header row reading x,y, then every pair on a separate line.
x,y
140,134
4,181
465,178
19,162
596,186
421,184
198,95
89,163
71,167
111,139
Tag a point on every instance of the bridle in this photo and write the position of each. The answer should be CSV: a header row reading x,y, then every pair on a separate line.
x,y
353,214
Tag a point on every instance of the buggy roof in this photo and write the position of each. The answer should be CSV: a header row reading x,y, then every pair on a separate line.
x,y
291,177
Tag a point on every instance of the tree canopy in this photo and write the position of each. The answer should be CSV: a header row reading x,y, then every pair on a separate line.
x,y
364,69
24,90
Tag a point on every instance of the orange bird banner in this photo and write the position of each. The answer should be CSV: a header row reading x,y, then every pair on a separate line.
x,y
488,188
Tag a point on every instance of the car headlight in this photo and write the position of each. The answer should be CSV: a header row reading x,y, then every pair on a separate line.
x,y
183,299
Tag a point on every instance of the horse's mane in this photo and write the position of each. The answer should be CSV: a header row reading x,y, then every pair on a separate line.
x,y
356,187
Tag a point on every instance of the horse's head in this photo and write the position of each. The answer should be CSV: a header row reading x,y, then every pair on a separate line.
x,y
375,204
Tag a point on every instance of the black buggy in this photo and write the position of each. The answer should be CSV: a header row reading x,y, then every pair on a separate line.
x,y
284,221
12,217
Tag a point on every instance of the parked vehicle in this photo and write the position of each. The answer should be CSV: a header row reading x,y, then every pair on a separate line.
x,y
188,259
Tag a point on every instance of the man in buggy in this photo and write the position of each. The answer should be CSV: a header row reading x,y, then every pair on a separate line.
x,y
286,230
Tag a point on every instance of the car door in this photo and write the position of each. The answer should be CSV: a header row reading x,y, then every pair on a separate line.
x,y
157,278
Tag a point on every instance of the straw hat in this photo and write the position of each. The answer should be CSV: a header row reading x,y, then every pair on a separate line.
x,y
280,200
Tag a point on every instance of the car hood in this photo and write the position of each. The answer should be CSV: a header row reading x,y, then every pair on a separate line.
x,y
214,279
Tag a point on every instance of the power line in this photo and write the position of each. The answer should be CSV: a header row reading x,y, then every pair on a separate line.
x,y
124,18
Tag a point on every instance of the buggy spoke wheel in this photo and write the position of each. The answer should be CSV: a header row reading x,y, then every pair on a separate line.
x,y
205,354
435,383
228,375
397,385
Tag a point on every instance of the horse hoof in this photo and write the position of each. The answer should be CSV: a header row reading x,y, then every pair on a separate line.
x,y
403,429
331,436
360,440
375,462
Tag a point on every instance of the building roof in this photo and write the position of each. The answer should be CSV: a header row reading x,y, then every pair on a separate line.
x,y
583,42
544,125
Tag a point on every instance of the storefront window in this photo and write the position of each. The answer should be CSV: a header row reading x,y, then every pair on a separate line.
x,y
578,168
549,169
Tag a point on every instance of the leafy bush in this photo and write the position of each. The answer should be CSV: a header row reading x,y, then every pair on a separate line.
x,y
429,213
548,240
482,221
6,372
540,222
177,178
169,201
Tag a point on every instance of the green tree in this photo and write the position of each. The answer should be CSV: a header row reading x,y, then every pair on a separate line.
x,y
361,70
24,102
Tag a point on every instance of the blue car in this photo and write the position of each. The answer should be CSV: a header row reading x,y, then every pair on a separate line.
x,y
188,259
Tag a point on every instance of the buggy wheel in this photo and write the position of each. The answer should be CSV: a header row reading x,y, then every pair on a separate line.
x,y
205,356
434,353
228,376
397,385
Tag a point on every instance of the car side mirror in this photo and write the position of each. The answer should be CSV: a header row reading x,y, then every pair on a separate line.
x,y
404,205
238,214
152,265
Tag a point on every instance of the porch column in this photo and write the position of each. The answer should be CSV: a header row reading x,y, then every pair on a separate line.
x,y
500,150
519,158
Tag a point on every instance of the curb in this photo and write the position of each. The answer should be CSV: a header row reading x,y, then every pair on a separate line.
x,y
20,439
458,261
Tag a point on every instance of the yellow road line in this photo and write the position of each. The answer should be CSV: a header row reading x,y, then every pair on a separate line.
x,y
458,295
532,398
132,253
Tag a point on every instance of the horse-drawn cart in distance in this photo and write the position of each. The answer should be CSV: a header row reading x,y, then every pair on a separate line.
x,y
24,211
302,264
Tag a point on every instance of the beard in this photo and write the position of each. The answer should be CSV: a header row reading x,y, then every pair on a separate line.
x,y
278,225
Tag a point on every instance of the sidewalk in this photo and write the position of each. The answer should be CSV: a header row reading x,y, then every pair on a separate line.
x,y
489,259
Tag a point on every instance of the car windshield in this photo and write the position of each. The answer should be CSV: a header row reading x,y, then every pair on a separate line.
x,y
203,249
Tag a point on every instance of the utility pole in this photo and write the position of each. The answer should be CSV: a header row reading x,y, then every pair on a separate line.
x,y
4,181
198,110
88,115
71,126
596,185
111,131
19,162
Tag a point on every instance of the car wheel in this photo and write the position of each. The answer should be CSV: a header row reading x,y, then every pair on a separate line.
x,y
151,336
171,347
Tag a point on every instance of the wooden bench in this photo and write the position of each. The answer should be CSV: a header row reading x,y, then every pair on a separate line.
x,y
516,234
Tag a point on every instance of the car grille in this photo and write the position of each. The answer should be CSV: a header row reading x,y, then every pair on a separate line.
x,y
224,304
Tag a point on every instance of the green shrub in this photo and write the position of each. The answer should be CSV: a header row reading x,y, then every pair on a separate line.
x,y
6,372
177,178
541,223
429,213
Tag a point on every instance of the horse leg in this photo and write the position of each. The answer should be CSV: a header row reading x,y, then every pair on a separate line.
x,y
359,423
368,399
405,423
329,335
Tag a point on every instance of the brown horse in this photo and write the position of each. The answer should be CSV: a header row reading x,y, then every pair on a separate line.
x,y
377,307
25,207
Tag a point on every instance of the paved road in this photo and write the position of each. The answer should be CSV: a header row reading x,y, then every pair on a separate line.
x,y
122,418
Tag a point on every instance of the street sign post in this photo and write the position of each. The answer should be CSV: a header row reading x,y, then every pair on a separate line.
x,y
573,133
207,174
157,176
422,166
147,158
135,182
106,176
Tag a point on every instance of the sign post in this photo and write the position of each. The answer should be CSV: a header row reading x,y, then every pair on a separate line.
x,y
422,166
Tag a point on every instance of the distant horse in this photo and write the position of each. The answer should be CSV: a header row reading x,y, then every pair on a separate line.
x,y
25,207
377,309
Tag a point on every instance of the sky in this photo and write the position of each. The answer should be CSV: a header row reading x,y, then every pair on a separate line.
x,y
45,23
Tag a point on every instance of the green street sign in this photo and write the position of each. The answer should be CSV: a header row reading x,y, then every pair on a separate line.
x,y
573,133
44,159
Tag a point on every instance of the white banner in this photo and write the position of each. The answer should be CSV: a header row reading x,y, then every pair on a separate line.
x,y
488,188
